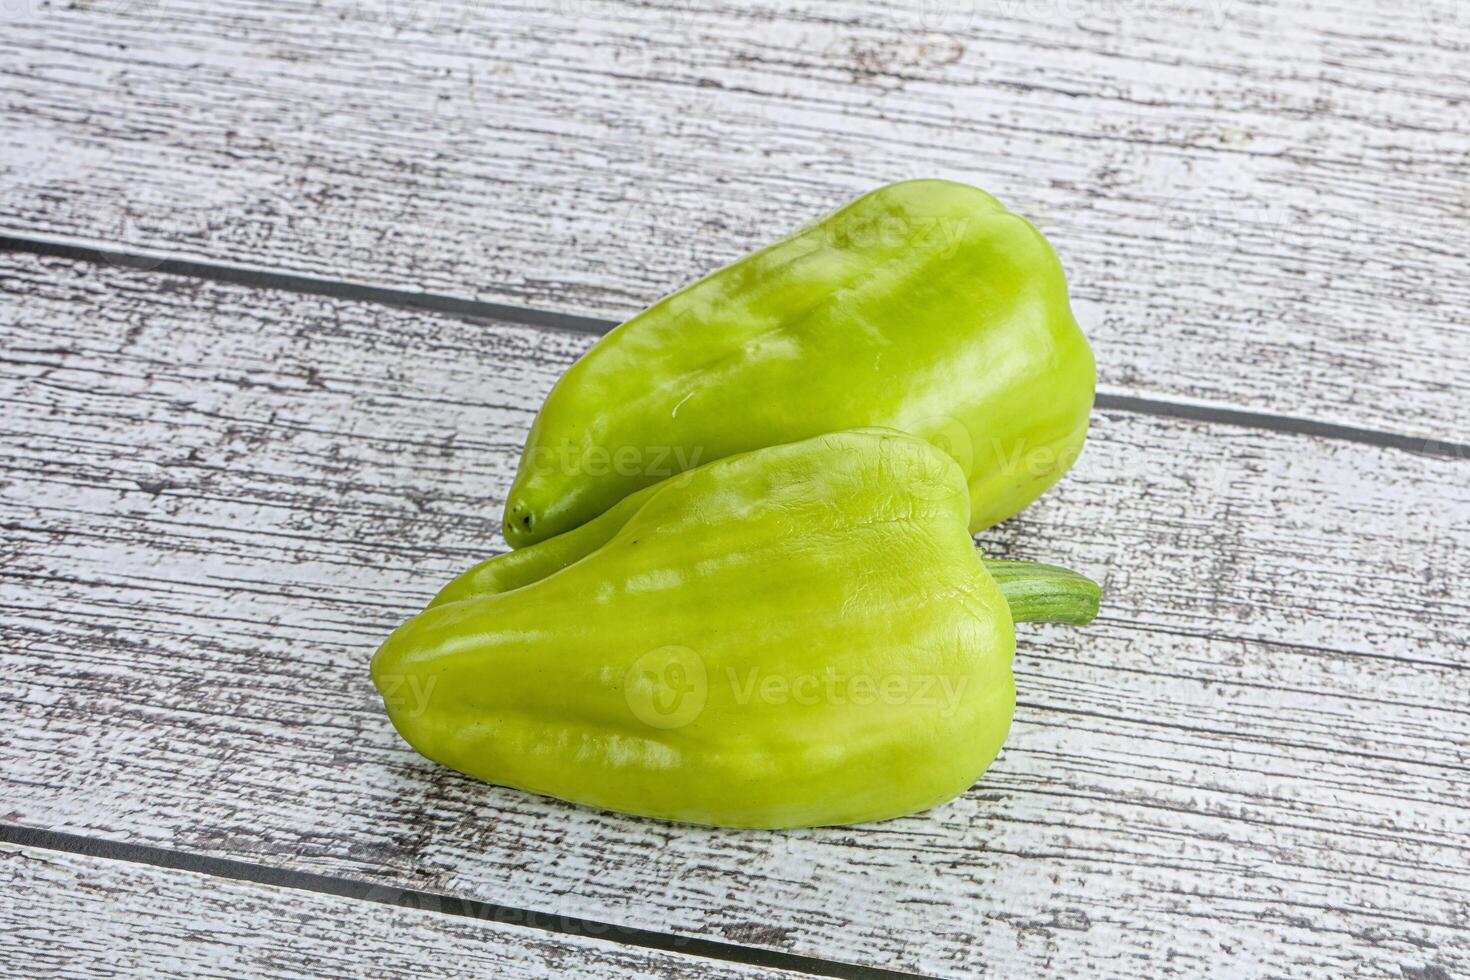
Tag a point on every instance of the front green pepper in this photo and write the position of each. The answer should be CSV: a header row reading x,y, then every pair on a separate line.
x,y
796,636
924,306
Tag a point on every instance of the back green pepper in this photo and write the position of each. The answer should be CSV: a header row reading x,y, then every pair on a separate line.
x,y
924,306
795,636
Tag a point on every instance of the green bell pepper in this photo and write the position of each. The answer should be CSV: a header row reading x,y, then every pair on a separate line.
x,y
924,306
800,635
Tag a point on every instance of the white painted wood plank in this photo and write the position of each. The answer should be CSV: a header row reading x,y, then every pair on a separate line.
x,y
217,501
1262,203
72,915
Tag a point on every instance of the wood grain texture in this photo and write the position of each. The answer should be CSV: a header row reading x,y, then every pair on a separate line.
x,y
1262,203
70,915
217,501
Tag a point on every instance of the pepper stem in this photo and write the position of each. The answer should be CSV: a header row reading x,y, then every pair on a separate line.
x,y
1040,593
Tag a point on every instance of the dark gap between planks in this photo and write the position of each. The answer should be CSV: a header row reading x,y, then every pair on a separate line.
x,y
479,311
161,857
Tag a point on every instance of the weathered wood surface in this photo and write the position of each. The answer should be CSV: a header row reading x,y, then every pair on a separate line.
x,y
1262,202
217,500
70,915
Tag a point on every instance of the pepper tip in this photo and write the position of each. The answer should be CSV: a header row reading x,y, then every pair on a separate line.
x,y
518,524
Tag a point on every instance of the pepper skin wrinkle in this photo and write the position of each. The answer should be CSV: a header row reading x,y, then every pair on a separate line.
x,y
923,306
795,636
